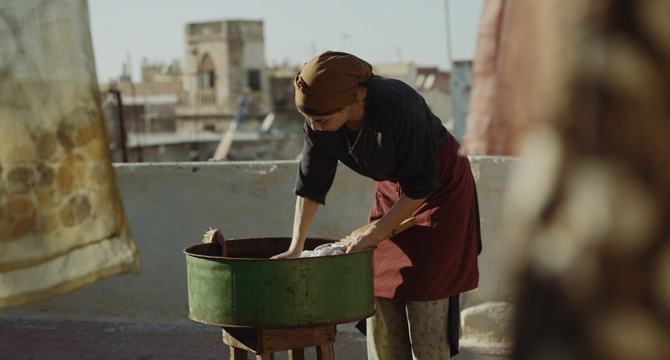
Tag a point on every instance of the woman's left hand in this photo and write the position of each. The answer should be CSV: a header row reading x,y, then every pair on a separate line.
x,y
383,228
364,241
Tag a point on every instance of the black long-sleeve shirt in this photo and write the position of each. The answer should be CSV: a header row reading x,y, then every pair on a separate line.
x,y
399,140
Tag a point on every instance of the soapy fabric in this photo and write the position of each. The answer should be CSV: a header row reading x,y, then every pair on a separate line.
x,y
324,250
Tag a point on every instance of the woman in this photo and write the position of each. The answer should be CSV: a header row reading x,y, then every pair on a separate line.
x,y
382,129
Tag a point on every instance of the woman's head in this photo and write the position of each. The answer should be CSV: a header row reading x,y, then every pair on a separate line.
x,y
329,82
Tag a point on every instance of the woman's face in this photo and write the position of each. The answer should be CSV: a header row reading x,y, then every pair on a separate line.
x,y
330,122
352,114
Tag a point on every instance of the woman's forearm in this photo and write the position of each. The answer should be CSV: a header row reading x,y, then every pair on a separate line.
x,y
377,233
305,210
400,211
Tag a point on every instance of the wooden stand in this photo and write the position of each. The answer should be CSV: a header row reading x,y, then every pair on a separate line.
x,y
265,342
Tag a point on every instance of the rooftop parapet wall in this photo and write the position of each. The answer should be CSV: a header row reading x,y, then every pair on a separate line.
x,y
170,206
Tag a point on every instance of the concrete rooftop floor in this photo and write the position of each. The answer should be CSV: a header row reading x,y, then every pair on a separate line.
x,y
32,339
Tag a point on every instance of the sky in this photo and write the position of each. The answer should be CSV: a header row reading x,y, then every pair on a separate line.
x,y
378,31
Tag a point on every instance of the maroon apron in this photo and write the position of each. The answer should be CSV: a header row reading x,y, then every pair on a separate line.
x,y
437,258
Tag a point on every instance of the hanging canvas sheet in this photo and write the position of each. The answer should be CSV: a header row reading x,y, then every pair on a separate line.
x,y
62,224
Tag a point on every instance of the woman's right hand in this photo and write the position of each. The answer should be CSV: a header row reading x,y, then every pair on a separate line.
x,y
305,209
289,254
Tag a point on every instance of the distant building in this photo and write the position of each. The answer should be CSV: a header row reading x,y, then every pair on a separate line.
x,y
223,61
406,72
161,72
182,110
429,82
281,87
435,87
430,78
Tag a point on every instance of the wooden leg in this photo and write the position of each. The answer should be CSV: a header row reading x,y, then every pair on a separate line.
x,y
237,354
265,342
325,352
296,354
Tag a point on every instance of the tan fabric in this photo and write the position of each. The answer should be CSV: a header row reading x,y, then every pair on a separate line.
x,y
329,81
62,224
518,42
481,123
408,330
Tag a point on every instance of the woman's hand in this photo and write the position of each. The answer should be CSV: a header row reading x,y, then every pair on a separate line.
x,y
305,209
383,228
289,254
367,240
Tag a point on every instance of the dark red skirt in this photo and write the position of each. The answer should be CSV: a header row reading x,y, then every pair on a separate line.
x,y
437,258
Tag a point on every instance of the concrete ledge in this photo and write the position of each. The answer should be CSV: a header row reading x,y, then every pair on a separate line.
x,y
488,325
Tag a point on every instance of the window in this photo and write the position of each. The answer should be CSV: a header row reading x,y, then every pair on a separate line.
x,y
206,72
206,79
254,80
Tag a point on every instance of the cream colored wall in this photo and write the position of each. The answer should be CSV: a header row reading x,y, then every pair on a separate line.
x,y
170,205
486,312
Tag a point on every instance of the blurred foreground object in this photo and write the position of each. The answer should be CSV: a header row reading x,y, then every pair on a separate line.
x,y
518,56
62,224
592,199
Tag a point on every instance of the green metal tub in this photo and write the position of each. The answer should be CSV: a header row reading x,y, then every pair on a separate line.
x,y
247,289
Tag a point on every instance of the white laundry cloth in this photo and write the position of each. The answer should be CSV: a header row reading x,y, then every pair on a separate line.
x,y
324,250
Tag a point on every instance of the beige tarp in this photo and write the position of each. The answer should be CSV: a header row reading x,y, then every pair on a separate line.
x,y
62,224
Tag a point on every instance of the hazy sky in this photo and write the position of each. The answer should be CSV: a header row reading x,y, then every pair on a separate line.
x,y
379,31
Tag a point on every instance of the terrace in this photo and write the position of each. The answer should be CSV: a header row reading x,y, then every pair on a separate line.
x,y
169,207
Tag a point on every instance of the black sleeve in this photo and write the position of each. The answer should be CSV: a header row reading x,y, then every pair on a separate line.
x,y
317,168
417,143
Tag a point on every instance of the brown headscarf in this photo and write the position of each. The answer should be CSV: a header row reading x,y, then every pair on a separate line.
x,y
330,81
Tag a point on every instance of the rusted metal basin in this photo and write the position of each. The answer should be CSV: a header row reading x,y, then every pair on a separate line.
x,y
247,289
